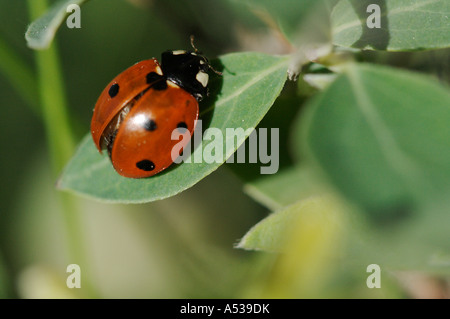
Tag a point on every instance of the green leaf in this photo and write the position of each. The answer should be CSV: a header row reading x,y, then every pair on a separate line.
x,y
416,242
300,21
310,234
320,226
249,86
405,25
284,188
308,222
41,32
287,14
382,137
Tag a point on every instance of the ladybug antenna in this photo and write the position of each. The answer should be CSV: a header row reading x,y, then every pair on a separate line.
x,y
197,51
192,44
214,70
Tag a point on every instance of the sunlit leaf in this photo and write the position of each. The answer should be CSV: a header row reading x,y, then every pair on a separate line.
x,y
404,24
41,32
302,222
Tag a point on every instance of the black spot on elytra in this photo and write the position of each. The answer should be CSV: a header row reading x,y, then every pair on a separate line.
x,y
187,103
113,90
182,125
150,125
145,165
160,85
152,77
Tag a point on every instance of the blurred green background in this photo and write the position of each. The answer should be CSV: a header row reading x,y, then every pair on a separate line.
x,y
181,247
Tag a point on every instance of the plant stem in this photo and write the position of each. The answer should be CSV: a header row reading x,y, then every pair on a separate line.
x,y
19,75
60,139
52,98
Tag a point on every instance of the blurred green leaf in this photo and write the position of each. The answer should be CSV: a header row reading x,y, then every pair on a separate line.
x,y
382,137
324,247
299,21
250,84
284,188
41,32
405,25
287,14
305,221
310,234
418,243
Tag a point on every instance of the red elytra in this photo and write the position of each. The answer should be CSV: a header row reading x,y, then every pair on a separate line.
x,y
135,116
132,81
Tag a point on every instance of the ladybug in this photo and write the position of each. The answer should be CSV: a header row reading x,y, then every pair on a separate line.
x,y
137,111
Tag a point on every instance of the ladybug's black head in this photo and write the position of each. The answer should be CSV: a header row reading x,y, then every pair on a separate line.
x,y
187,69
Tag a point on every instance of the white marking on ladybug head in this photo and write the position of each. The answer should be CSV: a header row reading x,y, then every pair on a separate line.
x,y
158,70
203,78
178,52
